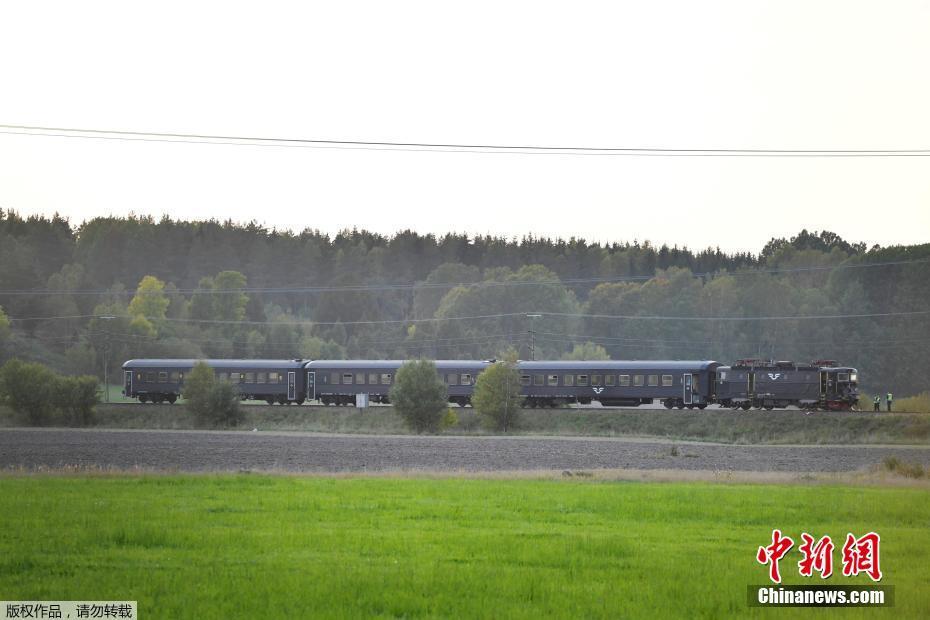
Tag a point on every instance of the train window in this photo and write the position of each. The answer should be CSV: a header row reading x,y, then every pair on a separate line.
x,y
138,376
843,376
610,380
539,380
223,376
638,380
452,378
466,379
595,379
625,380
360,378
234,377
582,380
525,380
653,380
568,380
175,376
261,377
274,377
723,376
552,380
372,378
250,377
667,381
150,377
334,378
385,379
324,378
163,377
347,378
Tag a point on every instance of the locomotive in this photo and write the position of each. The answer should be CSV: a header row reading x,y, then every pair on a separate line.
x,y
762,384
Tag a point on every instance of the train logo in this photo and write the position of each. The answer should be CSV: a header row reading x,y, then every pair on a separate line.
x,y
598,390
774,376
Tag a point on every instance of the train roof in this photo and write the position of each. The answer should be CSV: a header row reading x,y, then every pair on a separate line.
x,y
621,365
189,363
393,364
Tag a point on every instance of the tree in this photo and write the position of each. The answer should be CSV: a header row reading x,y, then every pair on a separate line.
x,y
213,403
420,396
4,326
24,387
150,300
587,351
76,398
229,302
497,396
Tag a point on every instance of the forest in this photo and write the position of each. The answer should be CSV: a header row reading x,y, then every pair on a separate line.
x,y
115,288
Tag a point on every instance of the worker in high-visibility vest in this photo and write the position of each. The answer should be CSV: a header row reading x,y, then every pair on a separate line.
x,y
877,403
888,399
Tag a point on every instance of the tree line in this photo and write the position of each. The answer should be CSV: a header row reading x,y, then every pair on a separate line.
x,y
120,288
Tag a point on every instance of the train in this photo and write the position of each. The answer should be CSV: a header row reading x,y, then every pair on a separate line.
x,y
749,383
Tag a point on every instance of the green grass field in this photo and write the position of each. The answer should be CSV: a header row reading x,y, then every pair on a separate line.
x,y
775,427
255,546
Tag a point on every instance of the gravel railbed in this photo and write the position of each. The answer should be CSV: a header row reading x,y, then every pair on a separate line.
x,y
206,451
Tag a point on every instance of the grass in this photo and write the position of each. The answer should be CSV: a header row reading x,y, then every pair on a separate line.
x,y
776,427
262,546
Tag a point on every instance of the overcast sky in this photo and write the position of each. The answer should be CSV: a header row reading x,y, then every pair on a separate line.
x,y
693,75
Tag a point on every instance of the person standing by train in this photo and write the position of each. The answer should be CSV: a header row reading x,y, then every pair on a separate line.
x,y
888,400
877,403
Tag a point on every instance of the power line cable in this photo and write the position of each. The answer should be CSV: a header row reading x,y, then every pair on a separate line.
x,y
152,136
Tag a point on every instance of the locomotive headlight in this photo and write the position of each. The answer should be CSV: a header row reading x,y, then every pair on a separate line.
x,y
854,377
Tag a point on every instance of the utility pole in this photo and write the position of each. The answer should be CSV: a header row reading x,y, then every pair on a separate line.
x,y
532,334
106,355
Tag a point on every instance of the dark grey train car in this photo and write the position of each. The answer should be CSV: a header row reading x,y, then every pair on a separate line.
x,y
769,385
339,382
162,380
674,383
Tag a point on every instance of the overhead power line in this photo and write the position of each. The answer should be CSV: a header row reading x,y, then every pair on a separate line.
x,y
235,140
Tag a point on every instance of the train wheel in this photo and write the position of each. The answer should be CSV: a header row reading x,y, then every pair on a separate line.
x,y
702,406
668,403
172,398
745,406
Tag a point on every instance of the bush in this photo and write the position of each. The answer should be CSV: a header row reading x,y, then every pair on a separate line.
x,y
25,388
42,397
420,396
76,397
213,403
497,396
449,419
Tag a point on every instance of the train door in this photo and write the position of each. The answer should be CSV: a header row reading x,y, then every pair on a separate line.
x,y
311,386
688,383
291,385
127,383
750,384
823,385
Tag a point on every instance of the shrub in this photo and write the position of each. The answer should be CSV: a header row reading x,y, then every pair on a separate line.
x,y
213,403
420,396
76,398
25,388
449,419
497,396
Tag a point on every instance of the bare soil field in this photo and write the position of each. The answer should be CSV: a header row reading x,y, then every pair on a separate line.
x,y
231,451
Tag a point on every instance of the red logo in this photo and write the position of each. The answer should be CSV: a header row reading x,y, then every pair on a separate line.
x,y
860,555
773,553
817,557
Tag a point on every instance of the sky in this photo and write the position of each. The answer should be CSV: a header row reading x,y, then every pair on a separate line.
x,y
778,74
